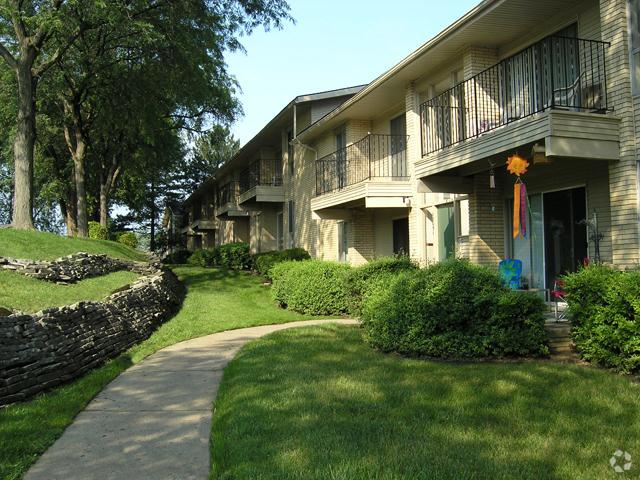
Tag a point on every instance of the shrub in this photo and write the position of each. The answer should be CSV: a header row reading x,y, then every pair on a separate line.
x,y
263,262
362,279
234,256
453,310
97,231
204,257
605,306
178,257
314,287
129,239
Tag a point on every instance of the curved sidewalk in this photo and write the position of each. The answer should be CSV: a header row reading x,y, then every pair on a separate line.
x,y
154,420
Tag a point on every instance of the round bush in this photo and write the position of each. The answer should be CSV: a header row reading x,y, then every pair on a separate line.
x,y
453,310
263,262
312,287
129,239
234,256
360,280
97,231
605,306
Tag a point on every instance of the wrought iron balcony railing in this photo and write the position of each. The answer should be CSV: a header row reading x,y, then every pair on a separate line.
x,y
554,73
227,193
261,173
375,156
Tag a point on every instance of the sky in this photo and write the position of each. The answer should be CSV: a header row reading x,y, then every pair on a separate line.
x,y
333,44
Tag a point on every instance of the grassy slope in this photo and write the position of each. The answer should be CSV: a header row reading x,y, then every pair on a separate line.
x,y
48,246
215,302
317,403
30,295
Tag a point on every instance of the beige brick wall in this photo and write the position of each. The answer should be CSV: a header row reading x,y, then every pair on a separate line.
x,y
362,242
486,222
623,174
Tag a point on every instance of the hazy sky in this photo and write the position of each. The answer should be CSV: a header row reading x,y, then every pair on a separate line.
x,y
333,44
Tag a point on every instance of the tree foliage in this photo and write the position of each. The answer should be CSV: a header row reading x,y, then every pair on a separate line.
x,y
131,99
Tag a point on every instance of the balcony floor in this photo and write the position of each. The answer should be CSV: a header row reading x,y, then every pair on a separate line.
x,y
368,194
564,133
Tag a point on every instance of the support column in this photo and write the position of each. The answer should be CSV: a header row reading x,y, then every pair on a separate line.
x,y
417,240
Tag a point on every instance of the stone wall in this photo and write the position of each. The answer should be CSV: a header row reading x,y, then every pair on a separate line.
x,y
74,268
56,345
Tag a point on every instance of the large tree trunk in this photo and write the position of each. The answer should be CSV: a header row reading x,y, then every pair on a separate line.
x,y
152,240
108,180
77,144
69,213
23,146
81,190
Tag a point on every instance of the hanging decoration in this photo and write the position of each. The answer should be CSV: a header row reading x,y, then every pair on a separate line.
x,y
517,165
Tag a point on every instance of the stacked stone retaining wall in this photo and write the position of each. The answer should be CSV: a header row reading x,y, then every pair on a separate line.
x,y
42,350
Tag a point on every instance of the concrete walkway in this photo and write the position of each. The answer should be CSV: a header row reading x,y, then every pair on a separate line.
x,y
154,420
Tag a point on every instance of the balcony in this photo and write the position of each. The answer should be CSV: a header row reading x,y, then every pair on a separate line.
x,y
552,91
227,202
262,182
372,172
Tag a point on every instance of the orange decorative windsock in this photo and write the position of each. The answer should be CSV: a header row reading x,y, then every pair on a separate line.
x,y
516,209
518,165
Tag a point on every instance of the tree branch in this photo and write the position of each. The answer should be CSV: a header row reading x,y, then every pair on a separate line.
x,y
6,55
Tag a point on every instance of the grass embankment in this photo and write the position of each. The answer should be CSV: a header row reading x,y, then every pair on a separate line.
x,y
32,245
216,301
30,294
317,403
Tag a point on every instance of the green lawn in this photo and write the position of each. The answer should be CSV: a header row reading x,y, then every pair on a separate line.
x,y
216,301
317,403
30,294
34,245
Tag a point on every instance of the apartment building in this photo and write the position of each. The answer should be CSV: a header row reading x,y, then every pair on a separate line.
x,y
253,196
415,161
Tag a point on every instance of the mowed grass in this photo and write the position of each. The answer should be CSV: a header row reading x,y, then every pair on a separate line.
x,y
33,245
30,295
216,301
317,403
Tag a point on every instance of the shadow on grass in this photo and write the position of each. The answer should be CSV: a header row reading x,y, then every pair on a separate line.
x,y
319,404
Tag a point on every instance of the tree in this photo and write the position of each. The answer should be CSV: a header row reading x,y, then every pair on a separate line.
x,y
210,151
126,73
26,28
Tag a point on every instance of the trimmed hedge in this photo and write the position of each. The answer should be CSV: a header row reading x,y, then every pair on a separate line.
x,y
605,306
359,281
204,257
263,262
313,287
234,256
453,310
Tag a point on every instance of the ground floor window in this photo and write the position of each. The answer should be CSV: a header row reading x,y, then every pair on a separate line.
x,y
343,241
280,230
291,221
556,240
401,236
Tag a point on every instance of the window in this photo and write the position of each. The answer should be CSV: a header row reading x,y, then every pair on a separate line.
x,y
343,242
291,222
280,230
634,34
462,218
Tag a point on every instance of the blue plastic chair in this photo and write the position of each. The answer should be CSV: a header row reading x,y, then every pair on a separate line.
x,y
510,271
